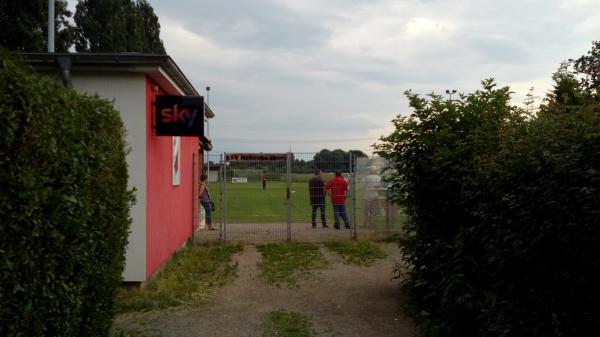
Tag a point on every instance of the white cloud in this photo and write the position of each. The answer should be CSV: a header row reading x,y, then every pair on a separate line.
x,y
191,47
337,69
419,28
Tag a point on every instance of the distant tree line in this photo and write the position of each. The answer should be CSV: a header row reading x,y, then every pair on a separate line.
x,y
97,26
326,160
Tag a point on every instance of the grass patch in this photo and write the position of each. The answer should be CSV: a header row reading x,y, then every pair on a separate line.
x,y
190,277
283,323
362,253
115,332
248,203
284,263
393,238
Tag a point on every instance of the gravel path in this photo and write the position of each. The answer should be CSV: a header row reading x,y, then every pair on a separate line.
x,y
342,300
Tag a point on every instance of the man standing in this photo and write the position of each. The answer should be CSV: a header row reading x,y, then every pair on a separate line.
x,y
337,188
316,189
263,178
371,195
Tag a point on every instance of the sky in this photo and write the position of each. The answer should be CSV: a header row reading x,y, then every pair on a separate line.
x,y
312,74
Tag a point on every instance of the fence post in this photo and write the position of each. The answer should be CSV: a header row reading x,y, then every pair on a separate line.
x,y
388,205
195,211
220,181
353,187
224,199
288,195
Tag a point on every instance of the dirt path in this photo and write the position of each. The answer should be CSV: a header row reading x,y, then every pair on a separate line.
x,y
342,300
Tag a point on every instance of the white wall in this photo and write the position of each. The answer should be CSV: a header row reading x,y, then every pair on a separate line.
x,y
128,90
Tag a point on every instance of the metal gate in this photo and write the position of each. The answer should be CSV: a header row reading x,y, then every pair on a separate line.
x,y
265,197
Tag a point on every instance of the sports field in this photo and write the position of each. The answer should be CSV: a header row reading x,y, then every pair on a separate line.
x,y
249,203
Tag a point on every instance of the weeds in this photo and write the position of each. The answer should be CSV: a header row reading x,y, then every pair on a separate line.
x,y
191,276
362,253
285,263
392,238
281,323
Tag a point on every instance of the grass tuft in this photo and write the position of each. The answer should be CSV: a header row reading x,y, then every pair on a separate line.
x,y
362,253
281,323
284,263
190,277
393,238
116,332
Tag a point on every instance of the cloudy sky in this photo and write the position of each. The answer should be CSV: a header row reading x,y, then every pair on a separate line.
x,y
313,74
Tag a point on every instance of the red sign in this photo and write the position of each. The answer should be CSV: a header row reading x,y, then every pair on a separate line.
x,y
256,157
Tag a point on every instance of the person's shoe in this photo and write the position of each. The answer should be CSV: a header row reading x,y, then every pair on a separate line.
x,y
325,226
336,226
212,229
314,225
347,226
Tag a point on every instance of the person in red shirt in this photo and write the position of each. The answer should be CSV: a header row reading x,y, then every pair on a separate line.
x,y
337,188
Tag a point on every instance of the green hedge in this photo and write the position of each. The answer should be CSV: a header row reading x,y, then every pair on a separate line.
x,y
64,207
503,236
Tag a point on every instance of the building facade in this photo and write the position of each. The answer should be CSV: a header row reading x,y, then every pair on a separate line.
x,y
162,169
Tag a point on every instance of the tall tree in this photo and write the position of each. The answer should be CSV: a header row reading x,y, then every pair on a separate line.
x,y
588,66
149,27
117,26
567,92
25,25
576,82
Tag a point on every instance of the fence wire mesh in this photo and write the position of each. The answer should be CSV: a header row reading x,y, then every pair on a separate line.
x,y
272,197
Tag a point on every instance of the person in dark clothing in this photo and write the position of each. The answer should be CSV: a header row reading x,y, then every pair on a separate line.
x,y
206,201
263,178
317,197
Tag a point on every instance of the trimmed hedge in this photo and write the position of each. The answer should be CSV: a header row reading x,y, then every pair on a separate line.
x,y
503,236
64,207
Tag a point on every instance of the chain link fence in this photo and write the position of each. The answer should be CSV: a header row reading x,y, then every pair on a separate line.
x,y
262,197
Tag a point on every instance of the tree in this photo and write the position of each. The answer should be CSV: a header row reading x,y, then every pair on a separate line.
x,y
357,154
25,25
566,93
117,26
588,67
335,160
576,83
149,27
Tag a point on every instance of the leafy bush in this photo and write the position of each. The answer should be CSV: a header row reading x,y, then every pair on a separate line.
x,y
503,237
64,207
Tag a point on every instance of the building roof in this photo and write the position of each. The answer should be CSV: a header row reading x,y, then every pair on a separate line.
x,y
161,68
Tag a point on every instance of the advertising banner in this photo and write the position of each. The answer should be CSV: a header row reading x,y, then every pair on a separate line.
x,y
179,116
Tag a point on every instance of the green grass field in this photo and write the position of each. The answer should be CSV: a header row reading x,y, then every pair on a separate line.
x,y
248,203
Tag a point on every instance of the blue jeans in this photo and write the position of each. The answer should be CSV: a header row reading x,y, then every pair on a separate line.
x,y
208,213
340,211
314,214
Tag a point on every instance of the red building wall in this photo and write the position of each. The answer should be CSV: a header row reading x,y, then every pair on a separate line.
x,y
170,209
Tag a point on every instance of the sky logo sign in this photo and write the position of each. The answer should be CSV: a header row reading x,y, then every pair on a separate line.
x,y
179,115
